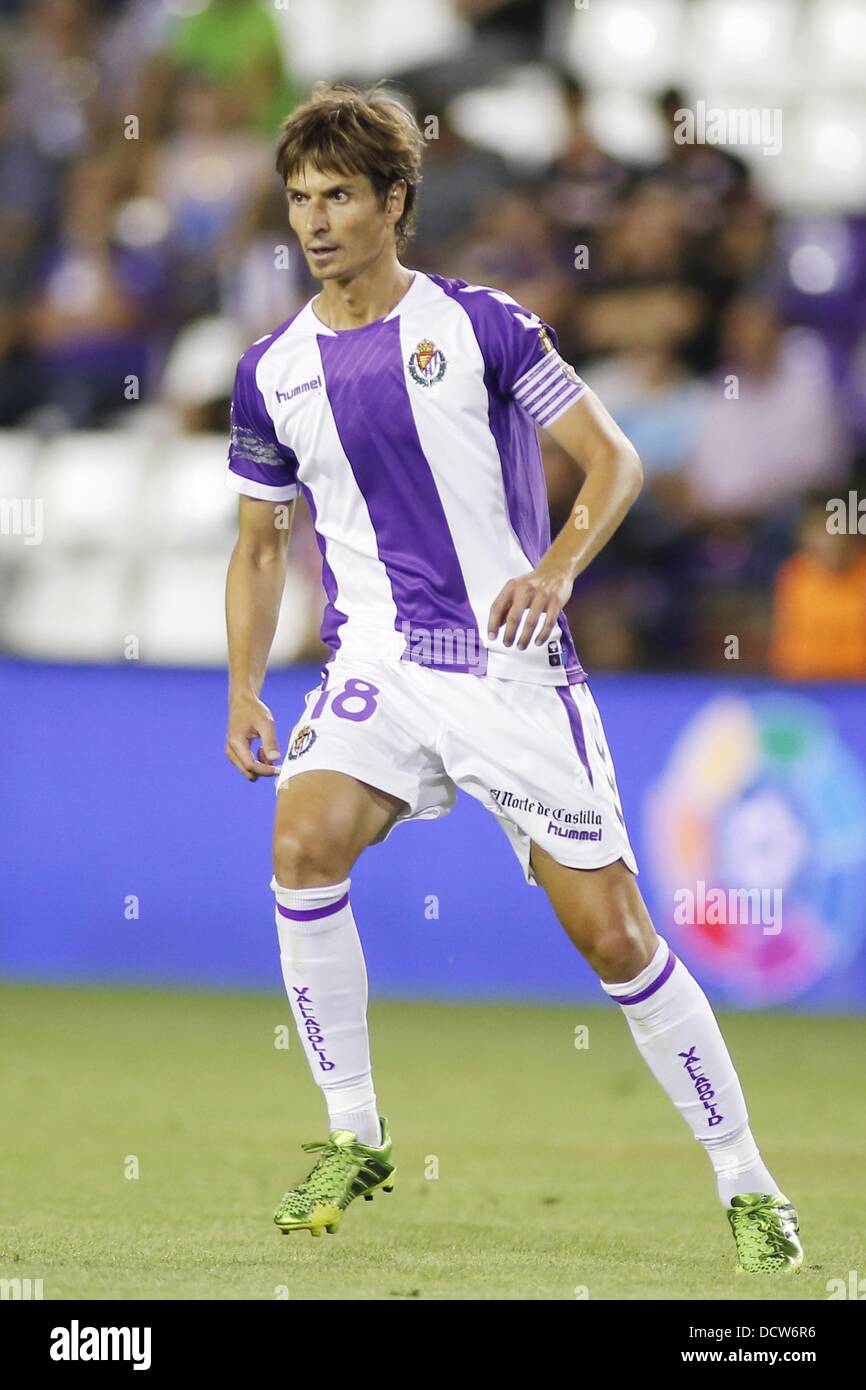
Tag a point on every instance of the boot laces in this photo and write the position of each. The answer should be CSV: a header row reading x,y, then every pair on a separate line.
x,y
761,1229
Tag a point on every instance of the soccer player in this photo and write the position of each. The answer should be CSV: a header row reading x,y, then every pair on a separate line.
x,y
405,406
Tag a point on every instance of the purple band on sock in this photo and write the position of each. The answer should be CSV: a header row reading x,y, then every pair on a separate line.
x,y
312,913
650,989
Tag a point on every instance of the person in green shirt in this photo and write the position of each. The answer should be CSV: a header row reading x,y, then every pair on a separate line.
x,y
236,44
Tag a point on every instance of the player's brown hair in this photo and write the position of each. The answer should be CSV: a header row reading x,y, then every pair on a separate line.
x,y
350,131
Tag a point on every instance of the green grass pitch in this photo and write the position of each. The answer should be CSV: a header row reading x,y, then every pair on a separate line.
x,y
562,1172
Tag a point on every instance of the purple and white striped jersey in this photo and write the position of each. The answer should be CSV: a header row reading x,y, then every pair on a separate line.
x,y
414,441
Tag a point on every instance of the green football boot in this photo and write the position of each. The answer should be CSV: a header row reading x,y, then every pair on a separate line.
x,y
347,1169
767,1231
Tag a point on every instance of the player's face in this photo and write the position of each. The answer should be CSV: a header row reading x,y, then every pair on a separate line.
x,y
339,222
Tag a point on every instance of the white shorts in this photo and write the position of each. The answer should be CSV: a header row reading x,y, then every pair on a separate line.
x,y
534,755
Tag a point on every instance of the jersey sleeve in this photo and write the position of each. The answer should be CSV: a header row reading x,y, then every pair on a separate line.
x,y
522,354
258,464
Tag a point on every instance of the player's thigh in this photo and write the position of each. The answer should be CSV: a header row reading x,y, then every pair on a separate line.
x,y
323,821
602,911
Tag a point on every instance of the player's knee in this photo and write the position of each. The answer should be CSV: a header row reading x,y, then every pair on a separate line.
x,y
619,949
307,854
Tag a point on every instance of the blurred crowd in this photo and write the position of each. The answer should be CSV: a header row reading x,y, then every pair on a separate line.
x,y
144,240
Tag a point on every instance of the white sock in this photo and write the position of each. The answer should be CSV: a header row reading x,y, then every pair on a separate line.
x,y
739,1166
364,1123
326,982
676,1032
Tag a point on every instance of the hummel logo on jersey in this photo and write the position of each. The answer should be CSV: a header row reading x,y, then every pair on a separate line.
x,y
427,363
301,390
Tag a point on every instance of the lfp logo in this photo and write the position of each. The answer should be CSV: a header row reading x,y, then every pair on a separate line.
x,y
760,795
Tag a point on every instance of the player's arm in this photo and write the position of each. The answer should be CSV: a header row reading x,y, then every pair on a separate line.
x,y
612,480
254,590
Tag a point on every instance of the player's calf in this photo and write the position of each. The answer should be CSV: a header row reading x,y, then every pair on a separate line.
x,y
602,912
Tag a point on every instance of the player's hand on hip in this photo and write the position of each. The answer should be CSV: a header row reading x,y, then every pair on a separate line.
x,y
250,719
542,594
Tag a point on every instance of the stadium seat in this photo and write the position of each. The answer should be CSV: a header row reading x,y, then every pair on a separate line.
x,y
180,612
91,485
67,608
17,452
186,501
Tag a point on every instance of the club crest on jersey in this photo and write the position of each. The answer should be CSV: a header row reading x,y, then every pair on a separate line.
x,y
304,739
427,363
544,339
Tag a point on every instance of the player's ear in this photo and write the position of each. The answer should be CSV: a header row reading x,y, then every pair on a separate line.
x,y
396,200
